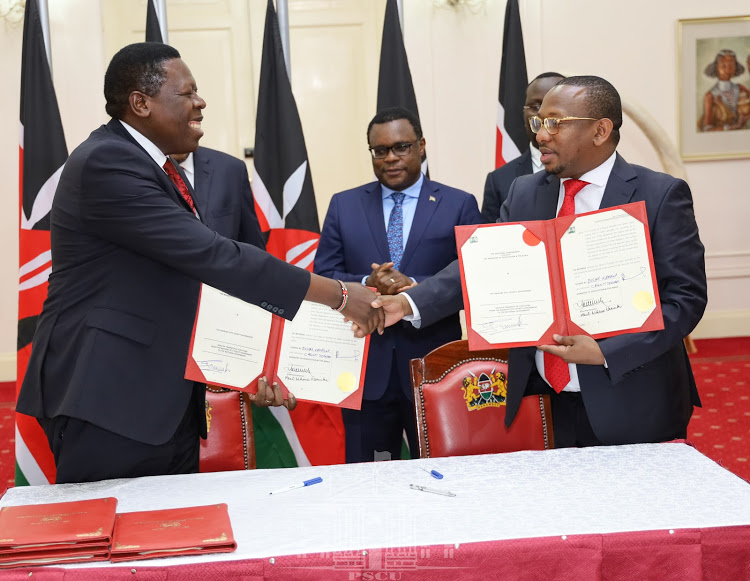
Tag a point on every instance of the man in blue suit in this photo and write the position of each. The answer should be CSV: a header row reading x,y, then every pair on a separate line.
x,y
391,234
129,252
630,388
498,182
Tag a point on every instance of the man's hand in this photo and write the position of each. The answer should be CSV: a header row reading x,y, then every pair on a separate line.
x,y
268,396
394,308
579,349
361,310
387,280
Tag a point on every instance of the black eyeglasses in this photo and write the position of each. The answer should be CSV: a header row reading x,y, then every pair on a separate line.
x,y
400,149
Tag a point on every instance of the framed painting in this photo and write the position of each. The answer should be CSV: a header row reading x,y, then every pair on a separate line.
x,y
714,87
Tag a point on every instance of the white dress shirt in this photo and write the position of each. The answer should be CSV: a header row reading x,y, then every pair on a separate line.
x,y
188,166
536,159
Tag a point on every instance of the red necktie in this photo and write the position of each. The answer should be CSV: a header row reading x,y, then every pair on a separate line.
x,y
556,371
180,183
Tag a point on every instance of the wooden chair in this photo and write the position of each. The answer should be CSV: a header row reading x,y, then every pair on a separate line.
x,y
230,444
459,398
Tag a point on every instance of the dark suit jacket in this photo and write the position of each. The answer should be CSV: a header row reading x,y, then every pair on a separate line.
x,y
127,261
354,236
498,183
647,392
222,191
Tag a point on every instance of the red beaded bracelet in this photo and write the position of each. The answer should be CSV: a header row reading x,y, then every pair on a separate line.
x,y
344,297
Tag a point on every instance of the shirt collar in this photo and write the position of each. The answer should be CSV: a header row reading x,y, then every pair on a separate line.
x,y
600,174
536,158
189,164
412,191
156,154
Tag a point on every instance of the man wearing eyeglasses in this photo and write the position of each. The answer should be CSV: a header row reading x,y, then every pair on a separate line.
x,y
498,181
391,234
631,388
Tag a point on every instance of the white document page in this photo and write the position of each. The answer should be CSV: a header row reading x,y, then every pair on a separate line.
x,y
231,338
320,358
507,282
607,272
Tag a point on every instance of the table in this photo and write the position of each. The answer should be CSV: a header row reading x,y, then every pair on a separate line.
x,y
650,511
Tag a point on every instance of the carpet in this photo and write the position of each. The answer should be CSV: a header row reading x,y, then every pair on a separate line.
x,y
7,445
721,428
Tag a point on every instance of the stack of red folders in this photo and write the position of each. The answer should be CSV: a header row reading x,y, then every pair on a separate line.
x,y
173,532
63,532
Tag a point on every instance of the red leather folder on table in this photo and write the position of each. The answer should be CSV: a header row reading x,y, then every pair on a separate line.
x,y
271,365
172,532
550,232
63,532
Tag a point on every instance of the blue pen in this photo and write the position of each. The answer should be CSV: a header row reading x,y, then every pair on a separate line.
x,y
434,473
294,486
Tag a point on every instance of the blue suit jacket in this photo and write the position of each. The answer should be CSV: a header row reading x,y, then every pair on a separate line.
x,y
498,183
354,236
647,392
128,258
222,191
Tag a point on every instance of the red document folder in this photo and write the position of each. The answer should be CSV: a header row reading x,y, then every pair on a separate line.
x,y
550,234
173,532
194,371
62,532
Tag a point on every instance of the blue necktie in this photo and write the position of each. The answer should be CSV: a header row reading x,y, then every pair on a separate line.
x,y
396,229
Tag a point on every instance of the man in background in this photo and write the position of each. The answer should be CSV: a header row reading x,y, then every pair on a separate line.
x,y
498,181
390,234
629,388
222,189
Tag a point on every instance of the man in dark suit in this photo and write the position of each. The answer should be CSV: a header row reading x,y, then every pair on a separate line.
x,y
629,388
498,182
129,252
222,188
391,234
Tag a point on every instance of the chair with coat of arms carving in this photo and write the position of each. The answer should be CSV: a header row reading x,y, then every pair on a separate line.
x,y
230,444
459,398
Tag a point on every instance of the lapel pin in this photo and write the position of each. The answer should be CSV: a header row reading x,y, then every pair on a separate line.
x,y
432,198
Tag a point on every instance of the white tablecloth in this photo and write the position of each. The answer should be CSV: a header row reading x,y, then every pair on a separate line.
x,y
503,496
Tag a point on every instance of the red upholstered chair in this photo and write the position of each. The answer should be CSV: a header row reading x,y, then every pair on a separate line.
x,y
459,397
230,444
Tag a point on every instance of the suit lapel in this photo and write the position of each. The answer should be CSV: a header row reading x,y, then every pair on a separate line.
x,y
372,203
116,127
429,200
621,184
523,165
203,173
180,199
545,203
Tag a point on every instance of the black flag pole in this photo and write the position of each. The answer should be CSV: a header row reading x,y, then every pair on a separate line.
x,y
511,134
156,21
43,153
395,87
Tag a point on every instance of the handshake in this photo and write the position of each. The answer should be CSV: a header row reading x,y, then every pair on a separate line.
x,y
370,310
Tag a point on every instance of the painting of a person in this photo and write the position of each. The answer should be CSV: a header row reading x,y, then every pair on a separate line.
x,y
726,105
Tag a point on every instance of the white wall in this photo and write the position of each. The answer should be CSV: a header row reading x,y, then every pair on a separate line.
x,y
10,73
454,56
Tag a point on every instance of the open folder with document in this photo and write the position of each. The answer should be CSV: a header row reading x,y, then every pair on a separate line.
x,y
585,274
315,356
